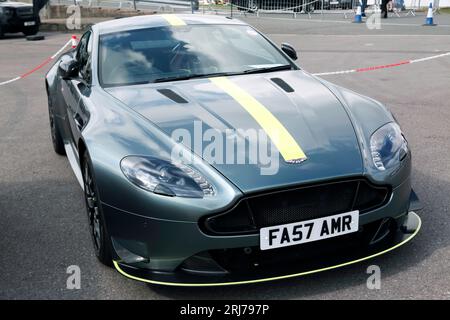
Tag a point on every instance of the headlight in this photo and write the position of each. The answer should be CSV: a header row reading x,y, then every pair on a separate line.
x,y
388,146
7,11
163,177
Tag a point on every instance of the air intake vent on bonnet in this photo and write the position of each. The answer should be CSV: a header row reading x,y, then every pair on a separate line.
x,y
172,95
282,84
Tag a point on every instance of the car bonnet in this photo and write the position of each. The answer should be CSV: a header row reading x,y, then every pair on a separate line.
x,y
305,122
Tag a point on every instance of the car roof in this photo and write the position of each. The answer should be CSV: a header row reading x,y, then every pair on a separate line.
x,y
159,20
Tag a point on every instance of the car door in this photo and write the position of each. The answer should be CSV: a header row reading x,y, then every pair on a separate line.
x,y
74,89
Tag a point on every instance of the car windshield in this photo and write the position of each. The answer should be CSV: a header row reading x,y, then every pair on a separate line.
x,y
185,52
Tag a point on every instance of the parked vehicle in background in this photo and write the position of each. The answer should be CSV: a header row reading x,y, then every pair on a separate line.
x,y
18,17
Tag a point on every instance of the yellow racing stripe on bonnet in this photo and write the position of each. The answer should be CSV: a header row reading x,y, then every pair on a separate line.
x,y
283,140
173,20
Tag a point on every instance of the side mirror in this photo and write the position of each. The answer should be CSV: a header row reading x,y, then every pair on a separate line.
x,y
289,50
68,68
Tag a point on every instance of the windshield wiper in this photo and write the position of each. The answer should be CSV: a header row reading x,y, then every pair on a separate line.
x,y
218,74
192,76
269,69
122,84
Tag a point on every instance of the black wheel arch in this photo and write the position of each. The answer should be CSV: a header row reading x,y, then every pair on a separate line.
x,y
110,255
81,146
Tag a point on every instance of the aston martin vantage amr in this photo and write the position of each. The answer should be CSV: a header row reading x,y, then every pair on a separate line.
x,y
207,156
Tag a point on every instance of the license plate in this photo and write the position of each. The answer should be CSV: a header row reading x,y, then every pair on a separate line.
x,y
308,231
29,23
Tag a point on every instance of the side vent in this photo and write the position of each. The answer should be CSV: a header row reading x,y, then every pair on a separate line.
x,y
172,95
282,84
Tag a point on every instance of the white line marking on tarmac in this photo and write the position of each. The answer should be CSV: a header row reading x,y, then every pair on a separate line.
x,y
356,35
9,81
345,22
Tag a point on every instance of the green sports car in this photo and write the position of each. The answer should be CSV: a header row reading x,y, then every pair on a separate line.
x,y
208,157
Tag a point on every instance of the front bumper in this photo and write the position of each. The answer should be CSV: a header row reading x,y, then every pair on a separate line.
x,y
17,24
409,228
167,243
180,253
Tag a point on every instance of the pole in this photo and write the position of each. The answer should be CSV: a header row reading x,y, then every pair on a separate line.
x,y
231,14
321,12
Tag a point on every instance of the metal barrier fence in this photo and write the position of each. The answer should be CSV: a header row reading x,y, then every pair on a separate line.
x,y
257,7
292,6
158,4
345,7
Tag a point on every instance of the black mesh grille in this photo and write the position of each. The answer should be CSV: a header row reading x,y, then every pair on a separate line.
x,y
295,205
26,12
303,204
237,220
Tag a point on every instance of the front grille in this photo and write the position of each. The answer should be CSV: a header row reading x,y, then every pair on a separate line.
x,y
304,203
26,12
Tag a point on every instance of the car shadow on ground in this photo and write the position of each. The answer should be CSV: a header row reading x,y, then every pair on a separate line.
x,y
432,237
13,36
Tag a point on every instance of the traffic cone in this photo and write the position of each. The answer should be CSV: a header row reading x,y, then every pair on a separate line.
x,y
429,18
358,17
74,41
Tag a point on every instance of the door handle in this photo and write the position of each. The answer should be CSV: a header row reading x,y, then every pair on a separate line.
x,y
78,121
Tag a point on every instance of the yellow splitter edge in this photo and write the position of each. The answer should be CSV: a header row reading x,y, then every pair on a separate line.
x,y
117,266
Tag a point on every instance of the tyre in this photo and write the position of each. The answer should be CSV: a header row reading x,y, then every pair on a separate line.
x,y
31,31
100,238
35,38
1,33
57,140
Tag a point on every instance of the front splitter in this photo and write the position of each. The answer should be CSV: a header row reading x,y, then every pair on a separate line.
x,y
409,230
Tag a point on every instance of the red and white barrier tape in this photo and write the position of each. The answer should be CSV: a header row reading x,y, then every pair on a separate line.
x,y
73,43
383,66
45,62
